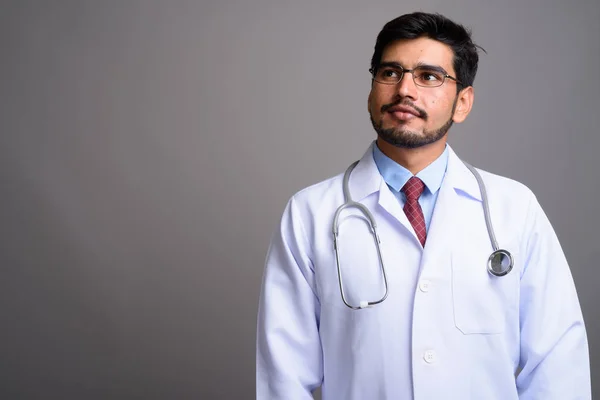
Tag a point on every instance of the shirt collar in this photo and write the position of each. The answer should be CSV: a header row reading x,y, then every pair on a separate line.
x,y
366,178
396,176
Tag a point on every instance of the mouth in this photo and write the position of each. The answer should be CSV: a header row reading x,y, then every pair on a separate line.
x,y
404,113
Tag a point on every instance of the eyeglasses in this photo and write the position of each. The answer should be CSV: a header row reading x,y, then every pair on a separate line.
x,y
424,76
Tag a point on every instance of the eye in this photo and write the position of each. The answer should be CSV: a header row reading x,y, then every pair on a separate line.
x,y
388,74
429,76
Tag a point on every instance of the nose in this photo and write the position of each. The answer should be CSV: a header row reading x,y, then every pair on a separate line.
x,y
406,87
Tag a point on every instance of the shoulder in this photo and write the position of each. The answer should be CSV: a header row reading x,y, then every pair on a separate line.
x,y
505,187
309,212
500,189
320,194
517,205
509,201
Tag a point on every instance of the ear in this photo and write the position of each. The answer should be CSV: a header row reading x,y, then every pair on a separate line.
x,y
369,102
464,104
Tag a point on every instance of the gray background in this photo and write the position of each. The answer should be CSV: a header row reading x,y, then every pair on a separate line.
x,y
147,150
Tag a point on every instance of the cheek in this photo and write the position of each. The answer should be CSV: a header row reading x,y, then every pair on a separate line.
x,y
439,107
377,98
375,103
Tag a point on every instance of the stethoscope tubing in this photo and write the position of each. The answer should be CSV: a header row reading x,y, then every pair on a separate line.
x,y
500,262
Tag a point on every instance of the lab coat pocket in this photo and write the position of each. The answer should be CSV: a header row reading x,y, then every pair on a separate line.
x,y
482,302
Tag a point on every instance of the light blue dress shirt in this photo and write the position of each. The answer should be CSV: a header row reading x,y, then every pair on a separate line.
x,y
396,176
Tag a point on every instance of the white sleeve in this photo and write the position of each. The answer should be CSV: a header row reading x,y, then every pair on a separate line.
x,y
288,348
554,349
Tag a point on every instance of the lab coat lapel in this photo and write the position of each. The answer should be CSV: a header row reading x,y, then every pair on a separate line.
x,y
442,227
449,215
366,180
389,202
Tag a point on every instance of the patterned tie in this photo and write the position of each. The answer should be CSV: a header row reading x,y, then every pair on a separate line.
x,y
413,189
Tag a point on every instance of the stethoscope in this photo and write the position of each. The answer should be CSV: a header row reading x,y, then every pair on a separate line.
x,y
499,263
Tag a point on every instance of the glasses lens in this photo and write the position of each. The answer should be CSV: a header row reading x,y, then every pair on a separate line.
x,y
428,77
388,75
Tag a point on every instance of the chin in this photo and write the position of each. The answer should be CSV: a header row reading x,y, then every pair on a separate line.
x,y
411,125
407,139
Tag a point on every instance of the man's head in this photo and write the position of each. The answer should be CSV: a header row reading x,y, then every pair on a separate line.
x,y
419,108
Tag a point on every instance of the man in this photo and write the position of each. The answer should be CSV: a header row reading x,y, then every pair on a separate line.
x,y
423,317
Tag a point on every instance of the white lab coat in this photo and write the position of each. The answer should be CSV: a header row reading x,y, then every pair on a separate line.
x,y
448,329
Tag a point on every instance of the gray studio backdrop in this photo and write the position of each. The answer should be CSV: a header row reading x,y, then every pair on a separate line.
x,y
148,148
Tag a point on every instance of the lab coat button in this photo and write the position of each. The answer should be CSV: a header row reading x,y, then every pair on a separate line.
x,y
429,356
425,285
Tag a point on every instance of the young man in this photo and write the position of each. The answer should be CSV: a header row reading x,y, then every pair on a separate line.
x,y
422,311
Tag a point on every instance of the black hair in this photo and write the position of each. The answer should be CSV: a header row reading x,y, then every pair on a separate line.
x,y
437,27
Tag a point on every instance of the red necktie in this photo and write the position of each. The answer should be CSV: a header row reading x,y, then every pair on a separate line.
x,y
413,189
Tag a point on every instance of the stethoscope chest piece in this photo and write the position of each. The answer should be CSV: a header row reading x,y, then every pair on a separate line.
x,y
500,262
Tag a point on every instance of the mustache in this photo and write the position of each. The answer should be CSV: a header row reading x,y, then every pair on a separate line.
x,y
407,103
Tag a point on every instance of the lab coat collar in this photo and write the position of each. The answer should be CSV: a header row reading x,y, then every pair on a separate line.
x,y
460,177
366,179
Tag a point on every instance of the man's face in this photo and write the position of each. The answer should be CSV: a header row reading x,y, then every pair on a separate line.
x,y
409,116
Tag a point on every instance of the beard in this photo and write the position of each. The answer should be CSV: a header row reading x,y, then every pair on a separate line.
x,y
405,138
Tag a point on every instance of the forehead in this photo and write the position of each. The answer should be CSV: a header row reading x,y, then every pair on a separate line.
x,y
412,52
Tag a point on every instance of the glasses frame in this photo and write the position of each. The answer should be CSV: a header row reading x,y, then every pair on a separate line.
x,y
405,70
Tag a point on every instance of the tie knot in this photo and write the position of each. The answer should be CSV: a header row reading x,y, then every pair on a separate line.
x,y
413,188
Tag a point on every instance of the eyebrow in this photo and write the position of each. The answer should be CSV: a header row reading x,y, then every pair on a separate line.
x,y
397,65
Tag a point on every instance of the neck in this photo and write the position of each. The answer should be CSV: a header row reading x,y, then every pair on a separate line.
x,y
414,160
